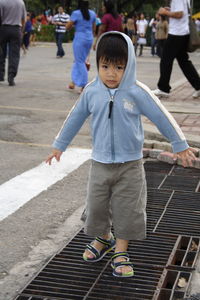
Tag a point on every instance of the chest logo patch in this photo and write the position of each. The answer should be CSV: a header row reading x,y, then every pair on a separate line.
x,y
128,105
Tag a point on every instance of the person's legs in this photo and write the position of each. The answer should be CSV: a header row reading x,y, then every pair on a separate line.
x,y
81,49
153,43
13,53
3,52
170,51
186,65
60,37
141,50
98,214
128,204
26,40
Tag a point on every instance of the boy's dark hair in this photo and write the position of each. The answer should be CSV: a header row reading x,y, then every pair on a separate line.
x,y
83,6
112,48
110,8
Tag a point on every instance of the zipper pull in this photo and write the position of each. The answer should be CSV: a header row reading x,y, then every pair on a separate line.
x,y
110,107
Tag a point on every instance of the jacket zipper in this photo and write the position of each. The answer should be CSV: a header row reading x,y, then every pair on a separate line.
x,y
110,116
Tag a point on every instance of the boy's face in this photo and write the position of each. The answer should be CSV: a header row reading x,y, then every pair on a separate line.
x,y
111,74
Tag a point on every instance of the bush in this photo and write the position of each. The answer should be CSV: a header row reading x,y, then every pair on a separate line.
x,y
47,34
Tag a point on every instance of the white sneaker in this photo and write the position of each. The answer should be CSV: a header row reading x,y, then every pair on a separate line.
x,y
196,94
160,93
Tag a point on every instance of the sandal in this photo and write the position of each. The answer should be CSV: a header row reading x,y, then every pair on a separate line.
x,y
120,264
71,86
98,255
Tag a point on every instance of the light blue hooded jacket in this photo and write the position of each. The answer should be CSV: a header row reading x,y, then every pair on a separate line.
x,y
119,138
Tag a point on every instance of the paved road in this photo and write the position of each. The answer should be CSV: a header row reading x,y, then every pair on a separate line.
x,y
31,114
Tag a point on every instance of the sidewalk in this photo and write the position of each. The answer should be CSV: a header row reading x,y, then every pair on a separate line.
x,y
186,112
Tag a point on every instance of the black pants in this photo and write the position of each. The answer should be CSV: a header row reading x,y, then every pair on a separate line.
x,y
176,47
59,41
10,42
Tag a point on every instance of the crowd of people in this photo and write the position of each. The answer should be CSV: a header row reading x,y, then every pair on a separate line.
x,y
88,28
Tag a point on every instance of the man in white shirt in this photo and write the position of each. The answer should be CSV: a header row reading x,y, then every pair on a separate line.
x,y
176,47
60,20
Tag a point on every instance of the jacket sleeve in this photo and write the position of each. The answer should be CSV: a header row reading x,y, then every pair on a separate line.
x,y
75,119
151,107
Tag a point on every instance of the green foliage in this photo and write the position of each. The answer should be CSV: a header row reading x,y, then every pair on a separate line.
x,y
47,34
36,6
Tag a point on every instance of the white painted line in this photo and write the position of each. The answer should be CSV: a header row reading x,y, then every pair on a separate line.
x,y
22,188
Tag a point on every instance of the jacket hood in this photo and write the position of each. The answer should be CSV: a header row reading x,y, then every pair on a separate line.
x,y
129,77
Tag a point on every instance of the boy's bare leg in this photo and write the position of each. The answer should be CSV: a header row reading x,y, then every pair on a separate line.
x,y
122,246
99,246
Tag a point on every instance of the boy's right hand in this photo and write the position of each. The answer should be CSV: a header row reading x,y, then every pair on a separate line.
x,y
55,154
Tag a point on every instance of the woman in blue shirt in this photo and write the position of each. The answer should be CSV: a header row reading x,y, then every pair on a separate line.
x,y
84,21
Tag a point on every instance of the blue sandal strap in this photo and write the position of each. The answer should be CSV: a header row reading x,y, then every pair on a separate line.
x,y
121,264
122,254
103,241
93,250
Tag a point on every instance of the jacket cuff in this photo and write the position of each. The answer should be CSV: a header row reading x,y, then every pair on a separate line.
x,y
179,146
59,145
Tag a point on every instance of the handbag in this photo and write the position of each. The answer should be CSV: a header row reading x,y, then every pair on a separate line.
x,y
194,37
142,41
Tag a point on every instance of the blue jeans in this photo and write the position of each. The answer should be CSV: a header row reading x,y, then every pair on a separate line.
x,y
59,41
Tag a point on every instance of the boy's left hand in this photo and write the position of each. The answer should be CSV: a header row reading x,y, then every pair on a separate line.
x,y
187,156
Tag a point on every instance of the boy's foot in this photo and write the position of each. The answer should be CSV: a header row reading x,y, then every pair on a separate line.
x,y
160,93
98,248
196,94
122,267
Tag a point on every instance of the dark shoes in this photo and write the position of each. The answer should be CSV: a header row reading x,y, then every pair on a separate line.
x,y
11,81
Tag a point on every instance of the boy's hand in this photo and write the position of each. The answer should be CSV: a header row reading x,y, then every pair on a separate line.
x,y
55,154
187,156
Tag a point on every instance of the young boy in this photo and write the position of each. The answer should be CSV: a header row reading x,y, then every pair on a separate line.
x,y
117,185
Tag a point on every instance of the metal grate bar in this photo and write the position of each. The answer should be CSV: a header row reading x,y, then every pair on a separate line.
x,y
178,170
185,201
180,183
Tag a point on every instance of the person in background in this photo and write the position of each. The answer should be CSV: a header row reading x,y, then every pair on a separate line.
x,y
153,24
130,29
13,18
117,192
27,33
84,21
98,23
111,20
60,20
161,34
176,47
197,22
33,29
141,32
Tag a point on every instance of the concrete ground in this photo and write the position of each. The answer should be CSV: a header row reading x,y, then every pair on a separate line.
x,y
31,114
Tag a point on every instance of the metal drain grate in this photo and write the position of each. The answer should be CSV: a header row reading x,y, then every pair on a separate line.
x,y
168,253
158,198
177,170
185,201
67,276
181,183
180,222
158,167
154,180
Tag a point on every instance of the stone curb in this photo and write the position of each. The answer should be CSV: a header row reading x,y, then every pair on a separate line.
x,y
161,151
